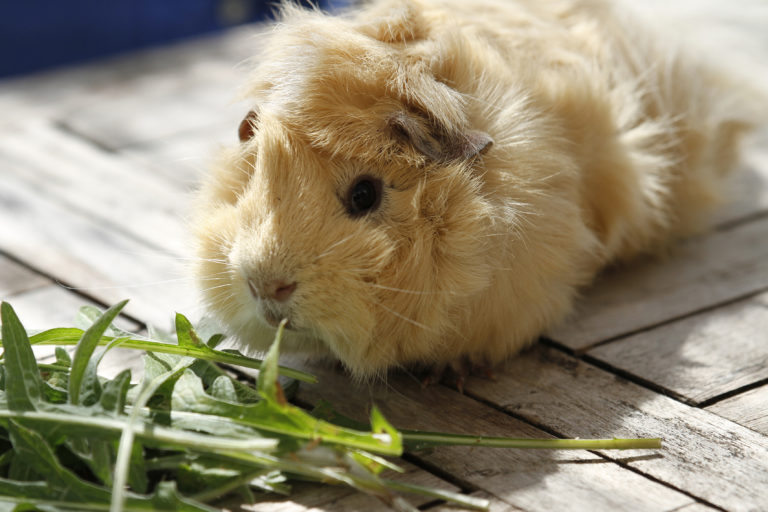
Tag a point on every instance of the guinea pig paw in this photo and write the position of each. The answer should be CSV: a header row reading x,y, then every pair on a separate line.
x,y
455,373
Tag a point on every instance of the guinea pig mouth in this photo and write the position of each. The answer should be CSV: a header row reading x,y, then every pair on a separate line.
x,y
274,319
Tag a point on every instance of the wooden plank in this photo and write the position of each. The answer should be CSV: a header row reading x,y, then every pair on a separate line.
x,y
749,409
182,159
699,273
214,61
696,507
53,306
75,173
748,188
194,88
496,505
16,279
714,459
310,496
701,356
109,265
531,480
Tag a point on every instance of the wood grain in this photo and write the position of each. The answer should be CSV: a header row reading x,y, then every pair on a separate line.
x,y
704,455
74,95
53,306
182,159
699,273
749,409
15,278
72,172
701,356
77,249
747,192
531,480
307,496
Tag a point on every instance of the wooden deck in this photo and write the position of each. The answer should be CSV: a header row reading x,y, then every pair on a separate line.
x,y
96,163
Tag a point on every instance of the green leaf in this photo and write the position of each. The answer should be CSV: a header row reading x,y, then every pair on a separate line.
x,y
114,393
33,448
23,384
276,416
84,351
267,384
185,333
383,430
223,389
62,357
137,471
209,372
71,336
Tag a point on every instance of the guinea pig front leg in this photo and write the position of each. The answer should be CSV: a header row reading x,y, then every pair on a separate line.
x,y
455,373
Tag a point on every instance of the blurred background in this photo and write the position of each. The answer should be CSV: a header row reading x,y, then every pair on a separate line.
x,y
40,34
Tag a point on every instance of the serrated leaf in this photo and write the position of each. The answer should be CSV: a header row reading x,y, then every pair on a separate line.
x,y
210,330
162,371
167,498
267,384
19,469
209,372
273,417
33,448
215,340
94,452
54,394
62,357
185,333
223,389
70,336
84,351
23,384
383,430
114,393
137,472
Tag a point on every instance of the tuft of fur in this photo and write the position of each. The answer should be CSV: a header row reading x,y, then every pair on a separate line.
x,y
522,145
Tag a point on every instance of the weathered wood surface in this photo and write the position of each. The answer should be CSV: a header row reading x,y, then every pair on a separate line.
x,y
96,166
93,256
15,278
697,274
531,480
316,497
749,409
704,455
702,356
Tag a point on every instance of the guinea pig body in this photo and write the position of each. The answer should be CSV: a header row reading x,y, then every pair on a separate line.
x,y
426,181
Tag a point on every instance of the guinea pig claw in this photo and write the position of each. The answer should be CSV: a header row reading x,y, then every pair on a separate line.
x,y
453,374
456,373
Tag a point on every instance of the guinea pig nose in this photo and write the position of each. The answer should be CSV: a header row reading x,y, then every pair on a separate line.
x,y
280,290
276,289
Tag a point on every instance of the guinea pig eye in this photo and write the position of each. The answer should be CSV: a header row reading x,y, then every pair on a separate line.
x,y
363,196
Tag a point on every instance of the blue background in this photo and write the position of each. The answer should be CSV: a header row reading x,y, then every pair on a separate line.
x,y
37,34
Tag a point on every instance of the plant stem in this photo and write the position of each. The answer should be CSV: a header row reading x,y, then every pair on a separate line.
x,y
436,439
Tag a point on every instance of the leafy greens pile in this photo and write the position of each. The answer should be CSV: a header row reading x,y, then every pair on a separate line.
x,y
187,434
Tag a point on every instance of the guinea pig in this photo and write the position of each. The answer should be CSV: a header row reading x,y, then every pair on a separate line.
x,y
429,181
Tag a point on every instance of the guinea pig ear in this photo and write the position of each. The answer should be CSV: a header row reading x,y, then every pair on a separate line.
x,y
247,126
436,143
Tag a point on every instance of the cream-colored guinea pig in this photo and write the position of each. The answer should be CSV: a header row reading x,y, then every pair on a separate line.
x,y
429,181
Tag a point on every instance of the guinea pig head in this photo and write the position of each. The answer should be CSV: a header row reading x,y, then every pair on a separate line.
x,y
356,216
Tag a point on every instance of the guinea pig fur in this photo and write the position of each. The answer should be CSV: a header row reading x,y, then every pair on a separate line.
x,y
421,182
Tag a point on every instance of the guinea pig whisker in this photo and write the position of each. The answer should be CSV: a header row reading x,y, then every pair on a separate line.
x,y
211,288
121,286
405,318
390,288
331,248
